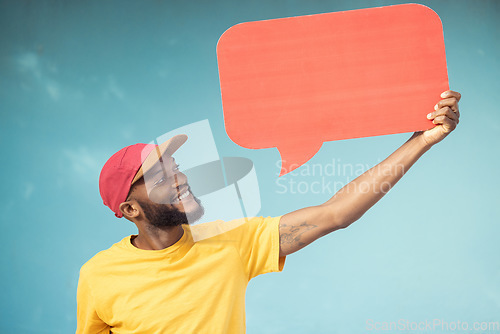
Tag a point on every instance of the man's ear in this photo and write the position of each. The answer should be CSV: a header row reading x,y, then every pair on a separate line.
x,y
130,209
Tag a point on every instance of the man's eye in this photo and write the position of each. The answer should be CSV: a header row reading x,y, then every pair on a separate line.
x,y
160,181
176,167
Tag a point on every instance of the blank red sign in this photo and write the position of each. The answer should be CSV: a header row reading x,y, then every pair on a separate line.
x,y
294,83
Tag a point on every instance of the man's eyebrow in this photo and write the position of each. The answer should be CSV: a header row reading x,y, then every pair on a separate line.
x,y
158,172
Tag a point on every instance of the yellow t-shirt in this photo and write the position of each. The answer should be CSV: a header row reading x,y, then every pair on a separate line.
x,y
197,285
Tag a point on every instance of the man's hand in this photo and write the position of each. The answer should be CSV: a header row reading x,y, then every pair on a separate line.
x,y
446,117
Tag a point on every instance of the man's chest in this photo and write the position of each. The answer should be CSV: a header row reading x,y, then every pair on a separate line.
x,y
140,296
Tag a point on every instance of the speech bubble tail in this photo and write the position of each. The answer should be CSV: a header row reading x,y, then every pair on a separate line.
x,y
292,157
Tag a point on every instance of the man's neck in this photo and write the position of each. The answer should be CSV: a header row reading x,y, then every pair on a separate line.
x,y
153,238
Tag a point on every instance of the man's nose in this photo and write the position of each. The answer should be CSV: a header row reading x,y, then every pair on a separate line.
x,y
179,179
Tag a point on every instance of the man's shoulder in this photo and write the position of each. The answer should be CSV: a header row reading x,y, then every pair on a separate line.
x,y
103,258
232,229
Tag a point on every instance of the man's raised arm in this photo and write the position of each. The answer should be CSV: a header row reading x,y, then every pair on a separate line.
x,y
301,227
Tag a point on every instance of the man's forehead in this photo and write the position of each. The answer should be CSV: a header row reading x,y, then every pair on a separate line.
x,y
166,162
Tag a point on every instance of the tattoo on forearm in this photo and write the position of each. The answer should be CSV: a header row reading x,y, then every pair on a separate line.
x,y
290,235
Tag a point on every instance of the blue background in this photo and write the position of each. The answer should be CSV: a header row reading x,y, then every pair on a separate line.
x,y
80,80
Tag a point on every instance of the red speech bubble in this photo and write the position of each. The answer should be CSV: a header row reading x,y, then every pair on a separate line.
x,y
294,83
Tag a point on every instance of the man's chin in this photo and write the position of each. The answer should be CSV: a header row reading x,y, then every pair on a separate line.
x,y
194,214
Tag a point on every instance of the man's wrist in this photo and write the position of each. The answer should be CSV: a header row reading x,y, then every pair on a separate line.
x,y
419,141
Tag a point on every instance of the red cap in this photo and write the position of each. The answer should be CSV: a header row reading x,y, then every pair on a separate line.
x,y
119,172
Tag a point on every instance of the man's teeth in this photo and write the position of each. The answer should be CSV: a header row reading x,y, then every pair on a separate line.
x,y
184,195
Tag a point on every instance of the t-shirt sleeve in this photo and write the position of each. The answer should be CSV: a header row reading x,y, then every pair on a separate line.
x,y
259,245
88,320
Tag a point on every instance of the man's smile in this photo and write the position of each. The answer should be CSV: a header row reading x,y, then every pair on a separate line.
x,y
181,194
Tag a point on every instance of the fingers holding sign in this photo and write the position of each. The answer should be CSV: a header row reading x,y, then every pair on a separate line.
x,y
446,116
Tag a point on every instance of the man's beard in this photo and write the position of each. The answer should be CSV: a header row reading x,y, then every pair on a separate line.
x,y
161,215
